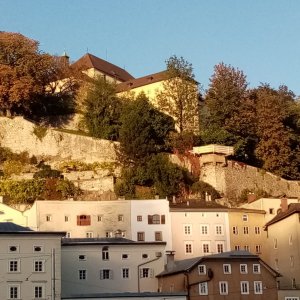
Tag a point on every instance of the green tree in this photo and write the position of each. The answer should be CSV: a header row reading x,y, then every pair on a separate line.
x,y
102,109
179,96
144,130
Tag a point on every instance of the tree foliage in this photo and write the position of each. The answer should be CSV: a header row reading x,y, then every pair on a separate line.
x,y
102,109
144,130
26,74
179,96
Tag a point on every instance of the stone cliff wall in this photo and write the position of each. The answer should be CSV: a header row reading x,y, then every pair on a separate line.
x,y
232,178
17,134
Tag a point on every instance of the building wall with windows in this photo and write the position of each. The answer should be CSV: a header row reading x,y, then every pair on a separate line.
x,y
10,214
150,221
113,265
283,244
82,218
246,230
235,276
199,231
30,265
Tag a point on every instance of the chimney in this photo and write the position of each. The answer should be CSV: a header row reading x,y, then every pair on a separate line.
x,y
251,197
284,204
170,260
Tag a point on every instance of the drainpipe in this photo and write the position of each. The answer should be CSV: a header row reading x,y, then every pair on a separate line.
x,y
187,286
138,269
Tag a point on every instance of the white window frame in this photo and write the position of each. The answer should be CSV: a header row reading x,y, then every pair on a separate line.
x,y
11,270
36,247
188,247
246,230
204,244
203,289
258,268
291,298
258,287
227,266
187,229
89,234
105,272
245,266
146,273
40,287
245,287
257,230
48,218
258,249
67,218
202,269
245,218
37,263
247,248
125,271
120,218
204,229
235,230
14,251
237,247
219,229
223,287
82,274
218,243
99,218
18,289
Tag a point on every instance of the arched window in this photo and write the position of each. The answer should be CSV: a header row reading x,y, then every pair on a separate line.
x,y
105,253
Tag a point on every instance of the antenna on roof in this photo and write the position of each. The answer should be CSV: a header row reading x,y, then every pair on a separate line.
x,y
87,50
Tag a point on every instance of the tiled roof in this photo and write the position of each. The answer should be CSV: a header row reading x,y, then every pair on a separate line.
x,y
196,203
90,61
292,208
145,80
12,227
187,264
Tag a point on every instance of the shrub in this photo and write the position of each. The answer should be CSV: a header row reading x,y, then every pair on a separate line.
x,y
11,167
201,188
40,132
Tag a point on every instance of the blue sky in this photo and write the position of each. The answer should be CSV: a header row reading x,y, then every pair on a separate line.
x,y
260,37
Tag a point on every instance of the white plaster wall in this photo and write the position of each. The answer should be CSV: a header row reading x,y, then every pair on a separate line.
x,y
195,218
150,207
26,255
9,214
71,285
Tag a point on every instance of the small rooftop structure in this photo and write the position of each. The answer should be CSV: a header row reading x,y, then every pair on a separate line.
x,y
213,149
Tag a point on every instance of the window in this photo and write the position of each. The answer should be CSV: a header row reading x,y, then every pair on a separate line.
x,y
246,230
227,269
39,292
220,247
13,248
244,287
291,298
237,247
205,247
144,255
156,219
139,218
256,268
245,217
246,248
124,256
258,249
82,274
158,236
275,243
188,248
83,220
187,229
219,229
141,236
223,287
146,273
258,288
204,229
105,253
271,211
66,218
202,269
235,230
14,292
257,230
121,218
100,218
82,257
108,234
203,288
38,266
125,273
243,269
37,249
105,274
13,265
48,218
89,234
68,234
